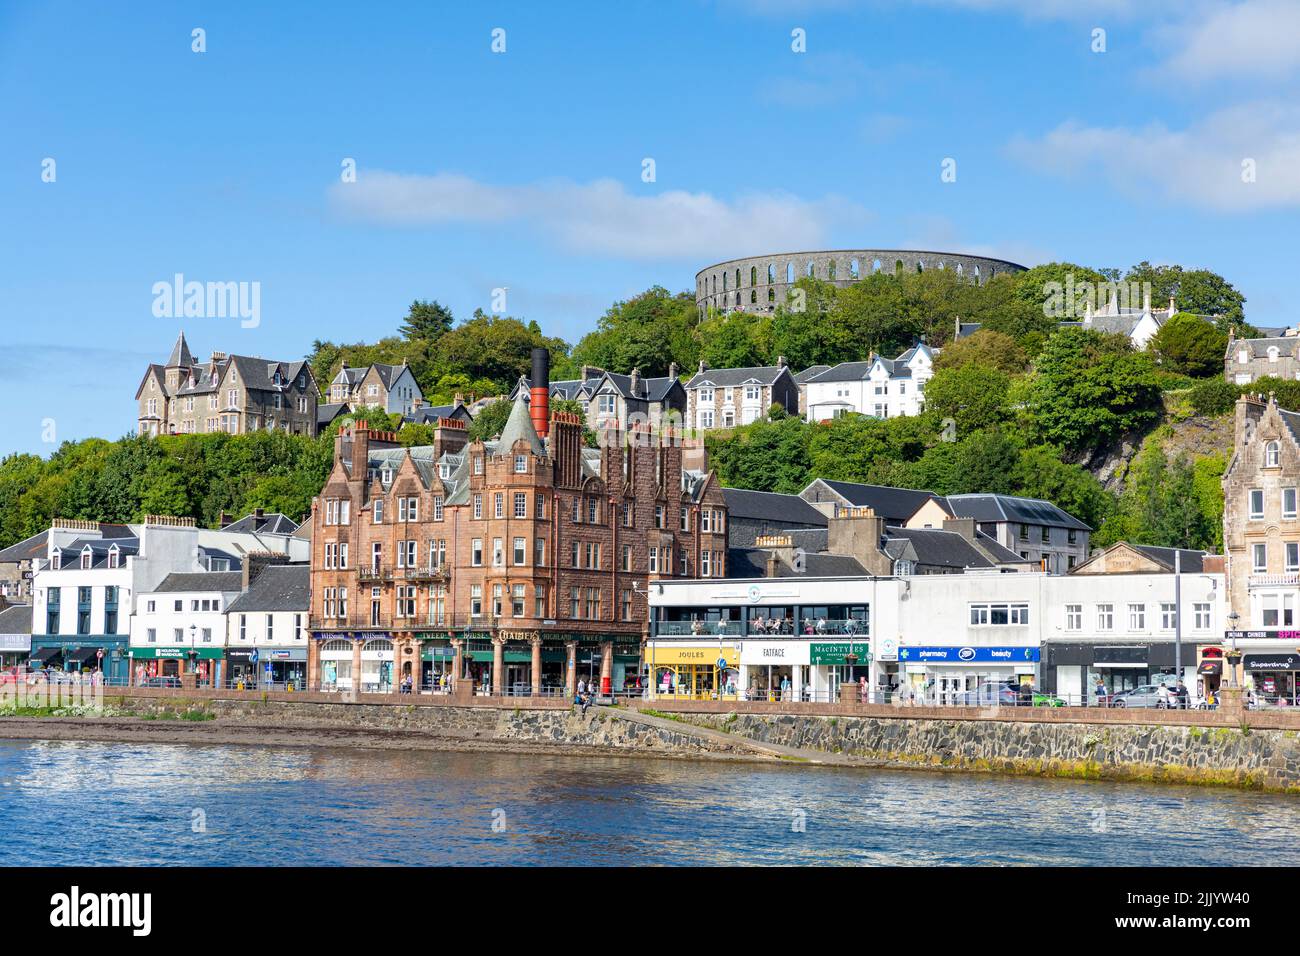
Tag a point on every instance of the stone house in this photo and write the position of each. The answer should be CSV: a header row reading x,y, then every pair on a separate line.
x,y
727,397
238,394
390,387
1247,360
611,400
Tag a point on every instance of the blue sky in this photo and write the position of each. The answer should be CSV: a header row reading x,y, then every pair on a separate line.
x,y
478,170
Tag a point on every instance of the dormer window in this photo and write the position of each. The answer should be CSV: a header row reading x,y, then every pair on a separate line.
x,y
114,557
386,476
521,464
1272,453
56,559
87,558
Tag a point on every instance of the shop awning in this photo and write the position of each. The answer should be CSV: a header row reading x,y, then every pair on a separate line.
x,y
1210,668
43,655
176,653
82,655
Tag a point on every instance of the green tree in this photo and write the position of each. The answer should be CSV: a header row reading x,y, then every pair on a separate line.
x,y
1188,344
1090,388
1195,290
427,320
490,420
647,332
986,347
973,396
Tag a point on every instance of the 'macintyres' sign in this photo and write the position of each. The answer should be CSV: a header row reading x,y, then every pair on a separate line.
x,y
833,652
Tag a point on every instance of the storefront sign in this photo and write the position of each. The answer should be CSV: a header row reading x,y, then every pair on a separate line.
x,y
833,652
708,654
887,649
15,642
1271,662
1288,635
177,653
967,655
757,653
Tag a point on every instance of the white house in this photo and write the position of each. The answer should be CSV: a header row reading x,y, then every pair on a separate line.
x,y
884,388
266,626
84,589
179,627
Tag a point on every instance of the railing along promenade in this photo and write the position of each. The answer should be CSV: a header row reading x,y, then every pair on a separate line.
x,y
1226,716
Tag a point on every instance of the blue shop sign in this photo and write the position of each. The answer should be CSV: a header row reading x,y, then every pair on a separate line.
x,y
972,655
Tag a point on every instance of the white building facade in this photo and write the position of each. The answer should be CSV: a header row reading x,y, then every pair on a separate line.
x,y
880,387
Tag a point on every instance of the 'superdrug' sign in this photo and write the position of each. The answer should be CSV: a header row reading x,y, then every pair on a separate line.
x,y
972,655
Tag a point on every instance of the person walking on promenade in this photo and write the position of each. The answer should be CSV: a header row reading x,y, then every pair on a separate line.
x,y
1101,693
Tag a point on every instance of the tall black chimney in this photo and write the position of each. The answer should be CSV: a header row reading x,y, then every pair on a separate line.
x,y
540,398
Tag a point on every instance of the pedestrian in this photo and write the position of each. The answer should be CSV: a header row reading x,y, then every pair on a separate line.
x,y
1181,695
864,695
1162,696
785,688
582,686
1101,693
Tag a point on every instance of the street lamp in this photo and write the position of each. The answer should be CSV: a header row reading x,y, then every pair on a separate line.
x,y
1233,655
194,650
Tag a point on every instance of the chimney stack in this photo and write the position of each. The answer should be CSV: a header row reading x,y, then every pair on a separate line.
x,y
672,369
704,366
539,405
634,382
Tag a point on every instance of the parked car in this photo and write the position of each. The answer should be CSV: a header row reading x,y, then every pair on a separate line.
x,y
1042,699
1148,695
989,695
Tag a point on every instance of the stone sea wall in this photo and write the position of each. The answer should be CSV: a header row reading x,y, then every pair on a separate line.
x,y
1231,756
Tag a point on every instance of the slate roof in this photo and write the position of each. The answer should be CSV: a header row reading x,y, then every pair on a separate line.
x,y
770,506
180,353
752,563
519,426
188,581
16,619
931,547
279,587
1034,511
99,548
895,505
273,523
429,414
648,389
29,549
254,373
1292,422
723,377
328,412
1192,562
808,373
844,372
1258,348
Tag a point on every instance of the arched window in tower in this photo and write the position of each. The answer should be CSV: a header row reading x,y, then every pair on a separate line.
x,y
960,270
737,279
920,266
789,272
724,281
771,273
855,270
875,265
1272,454
830,270
753,296
977,275
771,293
898,267
812,269
753,275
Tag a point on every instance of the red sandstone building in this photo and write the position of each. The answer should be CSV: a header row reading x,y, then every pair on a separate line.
x,y
518,565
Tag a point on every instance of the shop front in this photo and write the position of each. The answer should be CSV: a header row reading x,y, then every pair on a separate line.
x,y
14,649
835,663
967,675
336,665
437,666
1273,677
105,656
694,671
377,666
150,663
1072,670
774,670
283,667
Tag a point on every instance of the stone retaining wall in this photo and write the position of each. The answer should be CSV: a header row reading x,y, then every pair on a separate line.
x,y
1234,756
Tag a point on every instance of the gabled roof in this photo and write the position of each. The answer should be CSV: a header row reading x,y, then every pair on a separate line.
x,y
752,563
279,587
1258,348
770,506
724,377
1035,511
844,372
431,413
388,374
192,581
648,389
328,412
895,505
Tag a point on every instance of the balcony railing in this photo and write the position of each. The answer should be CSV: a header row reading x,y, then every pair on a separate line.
x,y
374,573
439,573
673,628
1288,579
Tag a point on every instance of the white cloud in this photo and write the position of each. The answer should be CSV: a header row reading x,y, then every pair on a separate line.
x,y
1257,38
1199,166
601,217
